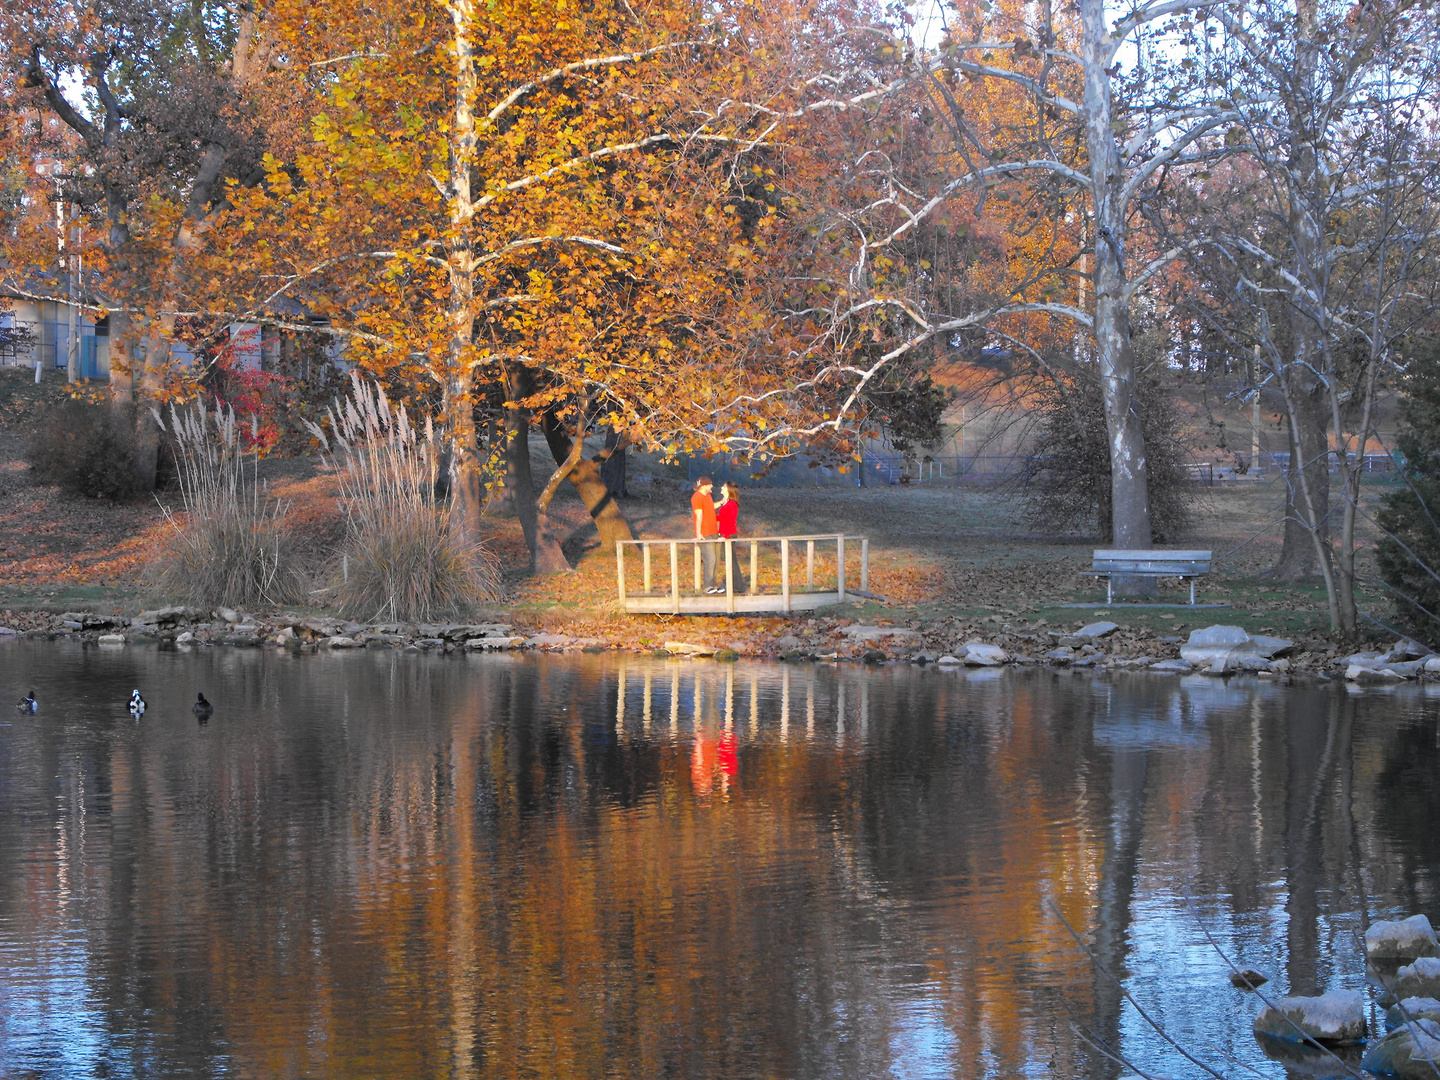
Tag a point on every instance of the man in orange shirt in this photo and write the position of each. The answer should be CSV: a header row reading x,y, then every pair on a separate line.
x,y
702,511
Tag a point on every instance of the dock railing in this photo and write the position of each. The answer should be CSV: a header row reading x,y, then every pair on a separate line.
x,y
770,565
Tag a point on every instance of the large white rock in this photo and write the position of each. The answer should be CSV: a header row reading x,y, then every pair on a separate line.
x,y
1211,636
679,648
1097,629
1402,939
980,654
555,641
1221,647
1357,674
1176,667
1420,979
1336,1017
1411,1052
1269,646
877,633
1415,1008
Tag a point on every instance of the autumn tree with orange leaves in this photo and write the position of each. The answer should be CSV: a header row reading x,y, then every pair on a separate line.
x,y
166,105
587,213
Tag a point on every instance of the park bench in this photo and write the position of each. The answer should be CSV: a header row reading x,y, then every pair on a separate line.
x,y
1186,565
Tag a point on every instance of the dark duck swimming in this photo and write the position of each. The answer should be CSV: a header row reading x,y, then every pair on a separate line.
x,y
28,704
202,708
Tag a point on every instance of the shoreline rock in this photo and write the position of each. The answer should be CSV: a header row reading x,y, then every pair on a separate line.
x,y
1336,1018
1101,647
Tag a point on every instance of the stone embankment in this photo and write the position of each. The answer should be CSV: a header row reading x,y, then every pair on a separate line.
x,y
1105,645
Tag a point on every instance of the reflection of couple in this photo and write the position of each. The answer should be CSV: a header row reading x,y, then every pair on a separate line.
x,y
717,521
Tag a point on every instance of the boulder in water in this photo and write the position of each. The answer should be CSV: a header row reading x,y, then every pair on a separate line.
x,y
1403,939
1415,1008
1247,979
1420,979
980,654
1411,1052
1336,1018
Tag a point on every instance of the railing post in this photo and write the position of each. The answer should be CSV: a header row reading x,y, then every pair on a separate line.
x,y
865,564
620,571
675,577
785,570
695,563
840,566
809,565
754,565
729,577
645,550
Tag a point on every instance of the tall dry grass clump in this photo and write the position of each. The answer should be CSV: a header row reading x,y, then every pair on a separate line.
x,y
231,548
406,556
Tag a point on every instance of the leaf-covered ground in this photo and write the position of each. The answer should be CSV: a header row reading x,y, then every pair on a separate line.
x,y
939,555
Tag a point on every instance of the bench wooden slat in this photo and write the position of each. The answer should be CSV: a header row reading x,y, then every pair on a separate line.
x,y
1148,566
1153,554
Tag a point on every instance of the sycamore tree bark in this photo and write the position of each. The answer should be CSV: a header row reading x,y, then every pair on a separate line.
x,y
466,487
1130,503
1306,546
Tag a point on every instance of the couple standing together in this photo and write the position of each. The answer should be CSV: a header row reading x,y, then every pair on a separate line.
x,y
717,521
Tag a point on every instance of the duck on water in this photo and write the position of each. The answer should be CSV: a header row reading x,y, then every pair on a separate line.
x,y
28,704
202,708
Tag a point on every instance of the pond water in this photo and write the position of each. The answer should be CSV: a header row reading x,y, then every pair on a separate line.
x,y
383,865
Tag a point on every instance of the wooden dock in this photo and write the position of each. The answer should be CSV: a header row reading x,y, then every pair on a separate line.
x,y
770,563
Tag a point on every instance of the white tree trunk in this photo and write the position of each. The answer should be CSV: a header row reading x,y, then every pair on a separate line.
x,y
1130,504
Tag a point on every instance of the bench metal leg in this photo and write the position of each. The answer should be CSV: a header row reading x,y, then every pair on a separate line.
x,y
1109,591
1192,592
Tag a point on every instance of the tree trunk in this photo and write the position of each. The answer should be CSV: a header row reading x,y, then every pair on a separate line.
x,y
544,547
467,488
122,366
1309,443
148,393
612,470
586,477
1129,504
1307,532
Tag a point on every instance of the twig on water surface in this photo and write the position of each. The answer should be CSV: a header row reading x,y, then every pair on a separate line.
x,y
1350,1070
1100,1045
1128,996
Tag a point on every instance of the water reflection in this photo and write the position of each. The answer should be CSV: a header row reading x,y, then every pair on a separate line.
x,y
375,864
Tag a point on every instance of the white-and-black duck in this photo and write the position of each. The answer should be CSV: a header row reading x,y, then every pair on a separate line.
x,y
28,704
137,704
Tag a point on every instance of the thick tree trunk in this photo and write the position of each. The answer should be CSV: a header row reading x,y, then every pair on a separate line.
x,y
1130,504
466,475
122,384
612,470
1309,442
546,557
586,477
148,393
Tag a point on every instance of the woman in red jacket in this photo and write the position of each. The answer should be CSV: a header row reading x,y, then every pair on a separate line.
x,y
727,515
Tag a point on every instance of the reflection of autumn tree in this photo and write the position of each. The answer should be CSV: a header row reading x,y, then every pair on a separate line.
x,y
471,868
